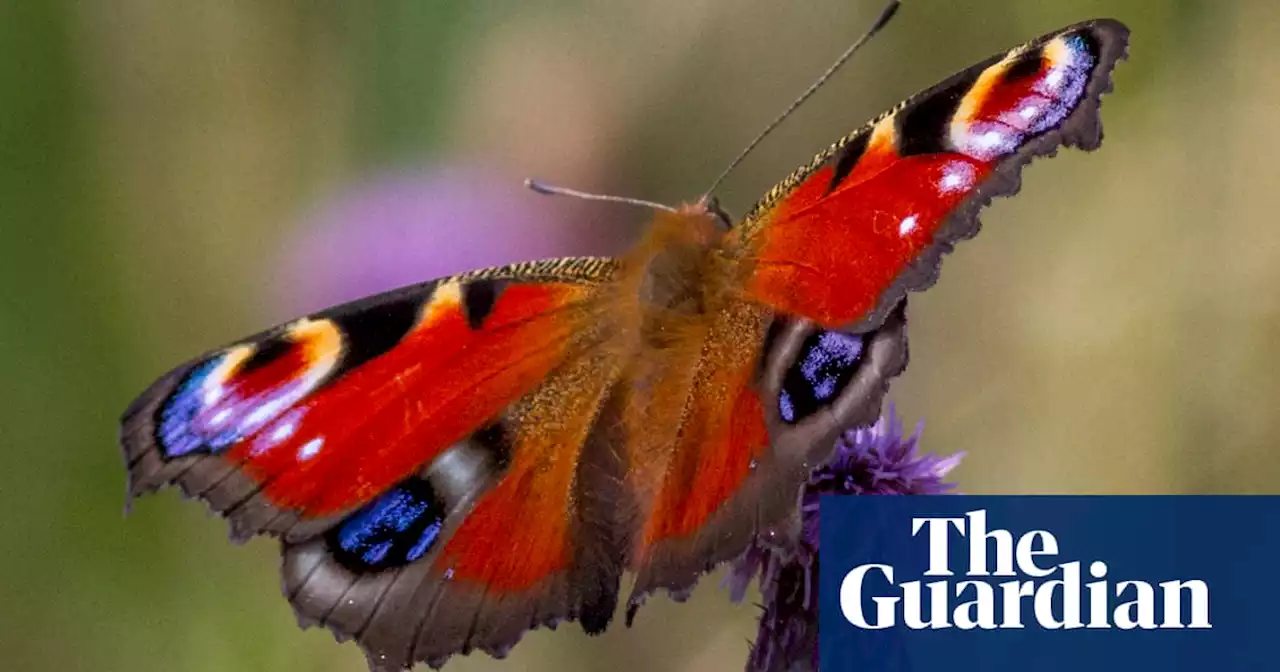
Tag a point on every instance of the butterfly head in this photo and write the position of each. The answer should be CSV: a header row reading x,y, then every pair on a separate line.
x,y
711,206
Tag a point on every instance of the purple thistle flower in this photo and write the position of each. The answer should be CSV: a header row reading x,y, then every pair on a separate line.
x,y
876,460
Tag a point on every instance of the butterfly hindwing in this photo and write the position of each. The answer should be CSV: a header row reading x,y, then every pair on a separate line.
x,y
513,529
734,465
879,208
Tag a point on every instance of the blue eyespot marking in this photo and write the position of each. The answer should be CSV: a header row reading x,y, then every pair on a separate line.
x,y
825,366
1040,89
174,434
395,529
227,398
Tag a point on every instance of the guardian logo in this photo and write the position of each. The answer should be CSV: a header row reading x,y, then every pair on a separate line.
x,y
1035,585
968,583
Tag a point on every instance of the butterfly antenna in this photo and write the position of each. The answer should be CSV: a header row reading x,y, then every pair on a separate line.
x,y
885,15
551,190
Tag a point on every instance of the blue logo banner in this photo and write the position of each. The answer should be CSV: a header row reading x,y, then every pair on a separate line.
x,y
992,583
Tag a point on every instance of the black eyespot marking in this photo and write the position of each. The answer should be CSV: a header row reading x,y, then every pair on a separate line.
x,y
494,440
266,352
1027,65
371,332
478,298
397,528
922,123
846,158
825,366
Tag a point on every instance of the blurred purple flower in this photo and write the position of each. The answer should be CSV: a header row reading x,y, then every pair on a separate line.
x,y
409,226
877,460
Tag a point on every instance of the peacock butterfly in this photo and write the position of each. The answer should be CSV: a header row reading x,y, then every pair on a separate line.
x,y
450,464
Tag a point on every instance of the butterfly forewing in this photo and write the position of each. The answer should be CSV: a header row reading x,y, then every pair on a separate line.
x,y
316,417
844,238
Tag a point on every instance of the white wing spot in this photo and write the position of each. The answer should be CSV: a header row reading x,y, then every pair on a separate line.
x,y
310,449
990,139
282,432
212,395
262,414
956,176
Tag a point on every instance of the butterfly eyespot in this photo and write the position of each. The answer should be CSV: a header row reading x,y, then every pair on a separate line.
x,y
176,431
1027,65
238,392
397,528
824,367
403,524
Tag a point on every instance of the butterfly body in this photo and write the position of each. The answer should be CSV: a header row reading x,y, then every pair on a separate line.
x,y
451,464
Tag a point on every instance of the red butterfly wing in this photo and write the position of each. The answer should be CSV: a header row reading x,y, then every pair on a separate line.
x,y
759,403
291,429
843,239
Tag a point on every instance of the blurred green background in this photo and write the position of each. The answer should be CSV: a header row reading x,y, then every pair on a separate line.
x,y
1113,329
